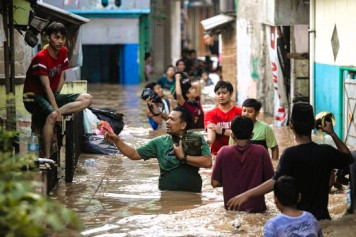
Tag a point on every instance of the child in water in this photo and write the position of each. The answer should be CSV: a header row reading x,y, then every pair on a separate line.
x,y
291,221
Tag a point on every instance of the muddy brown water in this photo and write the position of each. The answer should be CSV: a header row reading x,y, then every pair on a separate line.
x,y
120,197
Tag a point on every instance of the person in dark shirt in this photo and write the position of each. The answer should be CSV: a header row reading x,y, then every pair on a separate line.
x,y
212,43
308,163
187,95
167,81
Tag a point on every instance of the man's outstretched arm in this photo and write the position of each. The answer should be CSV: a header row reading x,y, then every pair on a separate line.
x,y
125,149
235,202
275,152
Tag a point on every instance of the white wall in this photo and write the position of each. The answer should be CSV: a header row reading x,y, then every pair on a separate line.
x,y
175,31
284,12
301,38
341,13
96,4
111,31
245,85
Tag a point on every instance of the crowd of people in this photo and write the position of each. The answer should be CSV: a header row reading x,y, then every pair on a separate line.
x,y
301,182
236,144
237,147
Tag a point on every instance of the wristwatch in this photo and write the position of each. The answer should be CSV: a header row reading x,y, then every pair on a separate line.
x,y
223,131
183,161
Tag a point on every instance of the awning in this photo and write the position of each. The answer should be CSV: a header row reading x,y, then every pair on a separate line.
x,y
112,13
216,23
52,13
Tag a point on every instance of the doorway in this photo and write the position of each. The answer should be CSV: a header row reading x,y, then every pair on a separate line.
x,y
101,64
349,129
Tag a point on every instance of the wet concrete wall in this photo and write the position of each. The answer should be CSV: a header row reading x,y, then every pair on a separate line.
x,y
110,31
335,48
23,55
21,112
255,75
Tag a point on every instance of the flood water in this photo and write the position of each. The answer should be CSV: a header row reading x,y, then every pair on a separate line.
x,y
120,197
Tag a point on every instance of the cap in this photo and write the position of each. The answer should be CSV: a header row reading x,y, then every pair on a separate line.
x,y
302,112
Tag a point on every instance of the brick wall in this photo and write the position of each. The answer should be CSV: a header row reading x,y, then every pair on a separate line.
x,y
229,57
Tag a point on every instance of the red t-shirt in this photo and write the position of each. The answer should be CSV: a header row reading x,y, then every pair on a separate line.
x,y
240,169
197,113
44,64
223,120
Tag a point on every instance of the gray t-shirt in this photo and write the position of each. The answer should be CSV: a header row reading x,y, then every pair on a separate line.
x,y
283,226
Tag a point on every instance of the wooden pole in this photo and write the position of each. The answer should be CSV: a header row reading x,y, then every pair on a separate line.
x,y
6,47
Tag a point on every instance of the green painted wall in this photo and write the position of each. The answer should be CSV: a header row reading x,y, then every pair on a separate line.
x,y
21,113
144,43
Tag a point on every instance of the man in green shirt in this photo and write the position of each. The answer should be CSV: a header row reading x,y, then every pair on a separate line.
x,y
179,171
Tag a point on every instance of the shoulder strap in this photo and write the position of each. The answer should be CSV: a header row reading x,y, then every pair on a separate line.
x,y
166,105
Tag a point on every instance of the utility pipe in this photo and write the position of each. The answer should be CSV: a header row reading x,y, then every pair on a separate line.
x,y
292,70
6,47
311,50
12,46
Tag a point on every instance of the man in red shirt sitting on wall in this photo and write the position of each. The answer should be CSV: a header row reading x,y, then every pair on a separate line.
x,y
44,81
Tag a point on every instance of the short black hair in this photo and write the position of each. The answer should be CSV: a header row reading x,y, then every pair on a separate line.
x,y
185,85
147,55
302,118
185,115
179,60
56,27
224,84
303,128
170,65
286,191
252,103
242,127
151,85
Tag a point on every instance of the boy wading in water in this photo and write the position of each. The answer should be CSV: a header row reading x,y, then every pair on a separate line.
x,y
262,132
291,221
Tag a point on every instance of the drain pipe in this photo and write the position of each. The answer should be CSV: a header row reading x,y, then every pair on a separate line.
x,y
311,50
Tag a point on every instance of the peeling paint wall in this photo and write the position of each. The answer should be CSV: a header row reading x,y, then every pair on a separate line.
x,y
23,55
254,71
333,50
110,31
21,112
339,14
284,12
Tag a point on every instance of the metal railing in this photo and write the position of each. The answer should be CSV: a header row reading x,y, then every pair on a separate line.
x,y
74,132
70,137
